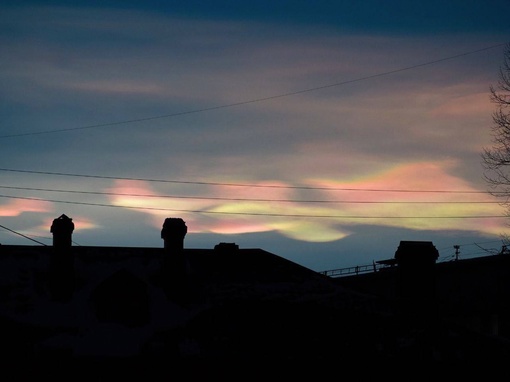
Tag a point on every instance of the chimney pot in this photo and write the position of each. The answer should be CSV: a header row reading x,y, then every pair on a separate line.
x,y
173,233
61,272
62,229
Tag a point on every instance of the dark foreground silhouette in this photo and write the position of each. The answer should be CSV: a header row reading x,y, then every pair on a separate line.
x,y
109,313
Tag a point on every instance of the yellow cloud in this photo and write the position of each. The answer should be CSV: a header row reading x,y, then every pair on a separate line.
x,y
311,231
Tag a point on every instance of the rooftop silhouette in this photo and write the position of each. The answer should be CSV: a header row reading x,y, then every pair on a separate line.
x,y
135,309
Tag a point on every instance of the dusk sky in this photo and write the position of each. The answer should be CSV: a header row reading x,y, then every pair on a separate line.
x,y
322,131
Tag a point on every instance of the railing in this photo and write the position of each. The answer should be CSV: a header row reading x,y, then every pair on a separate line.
x,y
375,267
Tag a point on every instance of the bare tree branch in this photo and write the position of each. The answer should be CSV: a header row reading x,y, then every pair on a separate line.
x,y
496,159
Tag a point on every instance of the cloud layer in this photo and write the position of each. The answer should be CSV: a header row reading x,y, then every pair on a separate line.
x,y
226,101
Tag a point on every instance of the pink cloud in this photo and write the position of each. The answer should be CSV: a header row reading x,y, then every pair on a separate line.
x,y
268,190
131,187
16,207
140,195
80,223
236,226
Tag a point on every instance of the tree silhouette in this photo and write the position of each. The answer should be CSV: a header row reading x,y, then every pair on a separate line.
x,y
496,159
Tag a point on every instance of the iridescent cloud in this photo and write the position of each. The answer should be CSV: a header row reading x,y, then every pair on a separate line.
x,y
421,179
276,206
16,207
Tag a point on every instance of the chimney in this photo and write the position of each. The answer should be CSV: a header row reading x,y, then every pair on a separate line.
x,y
173,233
416,283
175,266
61,274
62,229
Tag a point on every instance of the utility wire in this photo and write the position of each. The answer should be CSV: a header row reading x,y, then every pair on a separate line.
x,y
258,214
245,199
452,256
247,184
20,234
475,244
29,238
490,251
262,99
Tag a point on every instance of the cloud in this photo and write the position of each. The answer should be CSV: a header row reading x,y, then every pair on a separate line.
x,y
119,87
479,105
251,102
408,211
16,207
426,197
311,231
80,224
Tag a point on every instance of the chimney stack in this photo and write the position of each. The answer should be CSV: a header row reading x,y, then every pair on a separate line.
x,y
61,272
416,282
62,229
175,263
173,233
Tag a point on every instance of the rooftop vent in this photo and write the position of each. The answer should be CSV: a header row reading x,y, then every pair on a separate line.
x,y
226,247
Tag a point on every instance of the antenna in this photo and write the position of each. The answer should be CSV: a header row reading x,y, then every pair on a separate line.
x,y
457,252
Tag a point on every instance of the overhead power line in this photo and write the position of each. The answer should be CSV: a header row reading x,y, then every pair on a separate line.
x,y
262,99
20,234
476,244
244,199
255,213
245,184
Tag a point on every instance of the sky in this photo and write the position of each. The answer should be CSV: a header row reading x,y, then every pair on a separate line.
x,y
325,132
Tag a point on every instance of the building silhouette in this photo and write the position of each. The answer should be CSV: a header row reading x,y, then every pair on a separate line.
x,y
119,311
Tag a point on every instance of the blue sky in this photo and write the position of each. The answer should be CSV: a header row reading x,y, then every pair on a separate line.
x,y
325,132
